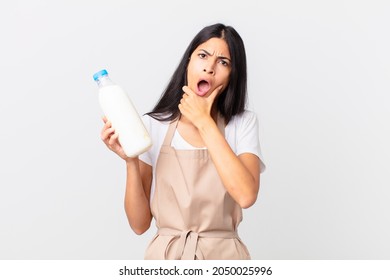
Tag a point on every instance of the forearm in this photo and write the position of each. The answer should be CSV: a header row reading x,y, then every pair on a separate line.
x,y
136,199
238,180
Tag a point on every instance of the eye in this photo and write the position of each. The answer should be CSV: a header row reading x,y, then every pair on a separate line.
x,y
202,55
224,62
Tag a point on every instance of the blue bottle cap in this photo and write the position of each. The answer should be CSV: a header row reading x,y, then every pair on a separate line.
x,y
99,74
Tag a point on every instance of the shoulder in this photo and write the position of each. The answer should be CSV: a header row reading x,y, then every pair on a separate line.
x,y
246,119
242,133
241,129
157,131
153,125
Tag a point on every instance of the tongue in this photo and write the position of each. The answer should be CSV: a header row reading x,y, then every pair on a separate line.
x,y
203,87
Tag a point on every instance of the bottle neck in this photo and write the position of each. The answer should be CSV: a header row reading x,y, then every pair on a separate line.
x,y
104,81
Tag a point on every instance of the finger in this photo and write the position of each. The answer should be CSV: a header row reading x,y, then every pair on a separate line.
x,y
104,118
215,93
106,126
113,139
188,91
181,108
106,133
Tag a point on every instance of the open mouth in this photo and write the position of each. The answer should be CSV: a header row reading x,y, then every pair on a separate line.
x,y
203,87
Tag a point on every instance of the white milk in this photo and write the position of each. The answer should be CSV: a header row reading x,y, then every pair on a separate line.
x,y
119,109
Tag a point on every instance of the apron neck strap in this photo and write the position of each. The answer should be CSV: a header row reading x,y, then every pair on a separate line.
x,y
171,131
173,126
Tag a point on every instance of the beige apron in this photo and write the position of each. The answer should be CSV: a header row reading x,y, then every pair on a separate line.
x,y
195,216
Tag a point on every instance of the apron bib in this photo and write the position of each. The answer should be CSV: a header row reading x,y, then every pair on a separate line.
x,y
195,216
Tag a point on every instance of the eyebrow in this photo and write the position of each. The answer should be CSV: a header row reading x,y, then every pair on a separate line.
x,y
223,57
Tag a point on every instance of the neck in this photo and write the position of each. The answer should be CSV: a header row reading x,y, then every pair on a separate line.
x,y
214,116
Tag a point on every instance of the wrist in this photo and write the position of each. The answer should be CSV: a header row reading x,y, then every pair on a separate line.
x,y
204,124
131,160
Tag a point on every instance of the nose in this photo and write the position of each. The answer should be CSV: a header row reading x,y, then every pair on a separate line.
x,y
209,71
209,68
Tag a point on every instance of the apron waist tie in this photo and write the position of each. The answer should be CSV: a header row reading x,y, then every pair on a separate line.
x,y
188,241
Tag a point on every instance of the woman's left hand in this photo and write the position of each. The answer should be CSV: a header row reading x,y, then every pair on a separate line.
x,y
196,108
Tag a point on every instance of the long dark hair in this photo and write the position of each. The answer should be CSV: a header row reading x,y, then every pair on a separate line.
x,y
232,100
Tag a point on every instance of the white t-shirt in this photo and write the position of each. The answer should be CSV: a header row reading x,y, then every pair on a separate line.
x,y
241,133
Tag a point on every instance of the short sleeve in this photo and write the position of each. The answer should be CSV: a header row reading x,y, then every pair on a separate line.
x,y
247,136
147,156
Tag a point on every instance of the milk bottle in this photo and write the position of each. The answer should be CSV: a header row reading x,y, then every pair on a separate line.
x,y
120,111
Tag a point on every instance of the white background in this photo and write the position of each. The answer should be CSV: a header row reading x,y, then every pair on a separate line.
x,y
319,75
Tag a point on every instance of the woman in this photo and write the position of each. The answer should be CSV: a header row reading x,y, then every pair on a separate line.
x,y
205,163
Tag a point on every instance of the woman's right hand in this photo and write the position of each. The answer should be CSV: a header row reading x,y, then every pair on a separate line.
x,y
110,138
